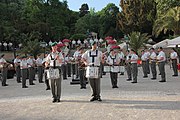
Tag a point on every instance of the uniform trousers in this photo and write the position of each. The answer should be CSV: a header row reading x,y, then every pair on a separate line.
x,y
4,75
31,75
134,71
46,79
40,73
24,76
148,68
18,73
145,68
153,69
114,76
174,65
82,77
162,70
128,68
95,86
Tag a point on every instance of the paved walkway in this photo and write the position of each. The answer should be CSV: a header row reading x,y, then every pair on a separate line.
x,y
146,100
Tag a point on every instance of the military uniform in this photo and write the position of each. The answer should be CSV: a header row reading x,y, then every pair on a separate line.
x,y
153,65
173,57
134,59
147,53
113,61
161,61
39,63
144,64
54,63
17,62
24,71
128,67
31,70
93,58
4,68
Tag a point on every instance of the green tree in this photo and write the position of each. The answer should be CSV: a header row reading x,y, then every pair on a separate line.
x,y
137,40
137,15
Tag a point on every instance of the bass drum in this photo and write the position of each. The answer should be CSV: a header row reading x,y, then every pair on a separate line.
x,y
92,72
107,69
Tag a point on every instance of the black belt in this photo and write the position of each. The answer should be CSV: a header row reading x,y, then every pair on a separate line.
x,y
93,66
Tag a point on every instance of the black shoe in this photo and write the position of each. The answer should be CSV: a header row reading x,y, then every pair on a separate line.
x,y
159,73
69,76
133,82
25,87
121,73
99,99
58,100
32,84
47,88
41,82
18,81
5,85
116,87
65,78
145,76
162,81
153,78
54,100
93,99
129,79
174,75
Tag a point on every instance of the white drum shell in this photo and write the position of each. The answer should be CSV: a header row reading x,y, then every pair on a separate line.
x,y
107,69
92,72
115,69
53,74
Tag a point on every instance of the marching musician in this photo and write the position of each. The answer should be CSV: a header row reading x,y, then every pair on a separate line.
x,y
82,70
113,60
17,62
31,69
121,57
68,60
147,53
161,58
144,63
39,64
134,59
45,72
76,57
24,70
54,62
64,67
4,68
174,57
153,63
93,58
128,65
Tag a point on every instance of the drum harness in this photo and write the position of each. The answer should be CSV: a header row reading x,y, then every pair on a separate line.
x,y
93,57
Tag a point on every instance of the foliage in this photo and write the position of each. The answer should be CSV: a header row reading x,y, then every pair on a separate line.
x,y
137,15
78,36
137,40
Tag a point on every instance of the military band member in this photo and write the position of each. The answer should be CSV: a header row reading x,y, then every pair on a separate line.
x,y
113,60
82,70
24,71
39,64
64,67
93,58
54,61
17,62
161,58
31,69
147,61
174,57
121,57
68,60
76,57
153,63
3,68
134,59
45,73
128,65
144,63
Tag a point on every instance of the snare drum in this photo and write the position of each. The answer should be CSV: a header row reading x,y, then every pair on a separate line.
x,y
92,72
107,69
121,68
115,69
53,73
